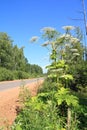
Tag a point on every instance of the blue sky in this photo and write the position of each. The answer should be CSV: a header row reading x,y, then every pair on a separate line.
x,y
22,19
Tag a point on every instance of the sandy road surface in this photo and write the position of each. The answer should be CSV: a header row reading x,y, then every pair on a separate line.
x,y
12,84
9,102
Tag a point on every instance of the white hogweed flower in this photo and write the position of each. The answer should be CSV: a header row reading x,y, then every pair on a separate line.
x,y
74,50
68,27
46,43
74,40
65,36
47,29
34,39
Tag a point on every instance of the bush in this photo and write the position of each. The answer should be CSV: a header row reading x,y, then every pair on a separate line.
x,y
79,73
6,74
22,75
48,86
38,116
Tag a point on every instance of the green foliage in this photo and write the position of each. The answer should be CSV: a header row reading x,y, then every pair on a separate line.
x,y
36,70
81,76
57,106
38,116
66,53
5,50
6,74
79,73
22,75
67,77
18,127
48,86
13,63
64,95
24,94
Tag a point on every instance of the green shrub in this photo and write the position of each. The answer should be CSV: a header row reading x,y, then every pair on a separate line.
x,y
6,74
48,86
21,75
38,116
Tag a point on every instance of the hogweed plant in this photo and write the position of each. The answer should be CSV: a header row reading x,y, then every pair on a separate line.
x,y
64,52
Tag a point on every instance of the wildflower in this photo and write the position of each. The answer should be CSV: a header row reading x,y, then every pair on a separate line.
x,y
74,40
46,43
68,27
34,39
65,36
47,29
67,45
74,50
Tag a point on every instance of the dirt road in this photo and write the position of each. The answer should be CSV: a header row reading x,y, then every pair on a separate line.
x,y
12,84
9,102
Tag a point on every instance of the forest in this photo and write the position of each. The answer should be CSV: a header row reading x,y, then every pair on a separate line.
x,y
13,63
61,102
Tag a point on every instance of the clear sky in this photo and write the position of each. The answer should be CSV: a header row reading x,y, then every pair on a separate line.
x,y
22,19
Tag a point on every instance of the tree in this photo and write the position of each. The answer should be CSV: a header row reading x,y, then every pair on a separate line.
x,y
35,69
6,51
12,58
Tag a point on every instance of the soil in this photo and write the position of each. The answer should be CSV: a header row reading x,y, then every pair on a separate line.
x,y
9,103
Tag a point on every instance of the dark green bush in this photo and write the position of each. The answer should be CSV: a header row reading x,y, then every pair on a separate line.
x,y
6,74
21,75
48,86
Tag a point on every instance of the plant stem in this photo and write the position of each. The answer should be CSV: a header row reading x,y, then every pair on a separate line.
x,y
68,118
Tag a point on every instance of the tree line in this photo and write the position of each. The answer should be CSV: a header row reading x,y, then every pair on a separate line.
x,y
13,63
